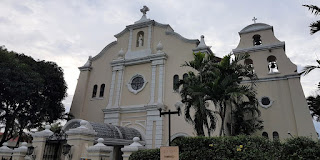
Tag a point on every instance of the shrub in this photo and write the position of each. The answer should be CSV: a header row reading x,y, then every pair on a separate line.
x,y
238,147
148,154
301,148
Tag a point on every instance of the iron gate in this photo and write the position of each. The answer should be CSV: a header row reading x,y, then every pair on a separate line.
x,y
53,147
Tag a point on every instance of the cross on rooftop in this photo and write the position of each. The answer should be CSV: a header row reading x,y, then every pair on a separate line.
x,y
144,10
254,19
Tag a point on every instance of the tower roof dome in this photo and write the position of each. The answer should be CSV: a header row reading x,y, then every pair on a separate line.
x,y
255,27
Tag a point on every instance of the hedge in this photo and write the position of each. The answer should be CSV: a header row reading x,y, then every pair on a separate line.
x,y
238,147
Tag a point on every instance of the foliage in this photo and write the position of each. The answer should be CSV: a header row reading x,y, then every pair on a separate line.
x,y
193,94
239,147
30,93
314,26
220,83
148,154
245,120
301,148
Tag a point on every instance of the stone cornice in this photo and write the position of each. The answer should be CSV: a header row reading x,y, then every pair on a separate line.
x,y
266,79
173,33
104,50
259,48
141,60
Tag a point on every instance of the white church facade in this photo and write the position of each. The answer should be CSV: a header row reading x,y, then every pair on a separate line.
x,y
130,78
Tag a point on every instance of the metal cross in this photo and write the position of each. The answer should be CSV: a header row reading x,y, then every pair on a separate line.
x,y
254,19
144,10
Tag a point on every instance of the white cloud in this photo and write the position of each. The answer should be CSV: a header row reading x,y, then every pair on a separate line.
x,y
67,32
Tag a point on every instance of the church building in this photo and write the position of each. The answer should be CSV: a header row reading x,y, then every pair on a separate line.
x,y
126,83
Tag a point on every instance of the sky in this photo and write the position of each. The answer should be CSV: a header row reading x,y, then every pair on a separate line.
x,y
68,32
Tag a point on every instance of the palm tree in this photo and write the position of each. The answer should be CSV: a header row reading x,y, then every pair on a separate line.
x,y
309,68
193,95
314,26
225,90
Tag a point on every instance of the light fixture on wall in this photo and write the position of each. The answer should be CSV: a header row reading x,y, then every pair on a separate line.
x,y
66,150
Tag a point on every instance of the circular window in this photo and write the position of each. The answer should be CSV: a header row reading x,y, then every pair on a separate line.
x,y
136,83
265,102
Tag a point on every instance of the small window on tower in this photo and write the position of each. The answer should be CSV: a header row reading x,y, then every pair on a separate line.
x,y
257,40
248,62
272,65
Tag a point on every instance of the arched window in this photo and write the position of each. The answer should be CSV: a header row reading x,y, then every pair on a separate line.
x,y
94,92
275,135
175,83
248,62
185,76
272,64
265,134
140,39
102,90
257,40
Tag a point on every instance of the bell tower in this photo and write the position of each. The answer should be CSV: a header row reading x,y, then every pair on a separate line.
x,y
282,102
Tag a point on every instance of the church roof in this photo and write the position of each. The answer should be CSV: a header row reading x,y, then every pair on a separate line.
x,y
255,27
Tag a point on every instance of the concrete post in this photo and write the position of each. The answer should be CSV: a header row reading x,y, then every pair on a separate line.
x,y
99,151
5,151
20,153
128,150
80,139
39,142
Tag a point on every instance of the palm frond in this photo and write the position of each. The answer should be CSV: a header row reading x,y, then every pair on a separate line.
x,y
314,27
314,9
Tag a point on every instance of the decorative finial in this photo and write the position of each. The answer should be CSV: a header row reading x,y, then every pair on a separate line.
x,y
202,43
144,10
121,54
159,47
254,19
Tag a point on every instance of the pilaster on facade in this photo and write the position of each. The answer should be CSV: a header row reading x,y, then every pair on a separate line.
x,y
161,83
112,116
154,129
153,83
111,88
119,86
130,40
149,36
115,69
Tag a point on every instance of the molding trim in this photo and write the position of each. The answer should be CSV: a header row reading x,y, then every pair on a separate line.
x,y
104,50
141,60
173,33
255,27
266,79
259,48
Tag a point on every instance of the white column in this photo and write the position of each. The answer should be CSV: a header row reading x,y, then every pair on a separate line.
x,y
153,83
160,83
119,85
112,88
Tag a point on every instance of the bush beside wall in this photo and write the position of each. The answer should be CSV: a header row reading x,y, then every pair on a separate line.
x,y
238,147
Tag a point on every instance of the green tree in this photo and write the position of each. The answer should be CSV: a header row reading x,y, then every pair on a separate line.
x,y
314,26
193,95
226,90
30,93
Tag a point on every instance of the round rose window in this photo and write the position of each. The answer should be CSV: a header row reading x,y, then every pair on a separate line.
x,y
137,83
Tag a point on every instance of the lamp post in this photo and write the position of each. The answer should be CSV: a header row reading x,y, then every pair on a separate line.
x,y
178,106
